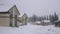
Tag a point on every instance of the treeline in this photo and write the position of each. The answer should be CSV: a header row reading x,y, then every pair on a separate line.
x,y
53,18
50,17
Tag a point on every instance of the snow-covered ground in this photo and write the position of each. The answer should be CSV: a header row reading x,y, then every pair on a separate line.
x,y
30,29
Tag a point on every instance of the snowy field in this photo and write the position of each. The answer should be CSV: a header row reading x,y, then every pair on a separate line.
x,y
30,29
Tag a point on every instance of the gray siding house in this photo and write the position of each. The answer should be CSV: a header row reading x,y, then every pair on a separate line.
x,y
10,17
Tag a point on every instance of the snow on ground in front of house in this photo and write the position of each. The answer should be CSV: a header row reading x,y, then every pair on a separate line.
x,y
30,29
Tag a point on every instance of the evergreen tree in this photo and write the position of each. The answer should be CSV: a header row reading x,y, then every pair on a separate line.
x,y
53,18
56,16
34,18
47,18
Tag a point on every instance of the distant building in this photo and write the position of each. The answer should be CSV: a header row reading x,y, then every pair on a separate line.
x,y
46,22
24,19
38,22
10,17
57,23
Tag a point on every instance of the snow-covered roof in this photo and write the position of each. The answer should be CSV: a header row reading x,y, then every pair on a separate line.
x,y
37,22
5,8
46,20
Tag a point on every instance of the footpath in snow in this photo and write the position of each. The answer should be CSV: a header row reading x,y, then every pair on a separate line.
x,y
30,29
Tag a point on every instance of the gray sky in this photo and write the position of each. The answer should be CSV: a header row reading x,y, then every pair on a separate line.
x,y
38,7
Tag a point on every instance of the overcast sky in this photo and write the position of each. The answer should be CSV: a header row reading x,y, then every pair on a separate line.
x,y
38,7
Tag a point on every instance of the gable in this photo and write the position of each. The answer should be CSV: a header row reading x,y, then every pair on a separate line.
x,y
14,10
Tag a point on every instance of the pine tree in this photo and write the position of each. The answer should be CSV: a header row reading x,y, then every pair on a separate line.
x,y
34,18
53,18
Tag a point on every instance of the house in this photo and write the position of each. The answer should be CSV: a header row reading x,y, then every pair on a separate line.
x,y
20,21
24,19
57,23
38,23
45,22
9,17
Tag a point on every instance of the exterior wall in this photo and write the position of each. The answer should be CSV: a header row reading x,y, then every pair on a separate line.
x,y
4,20
15,12
4,15
12,17
13,22
15,16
